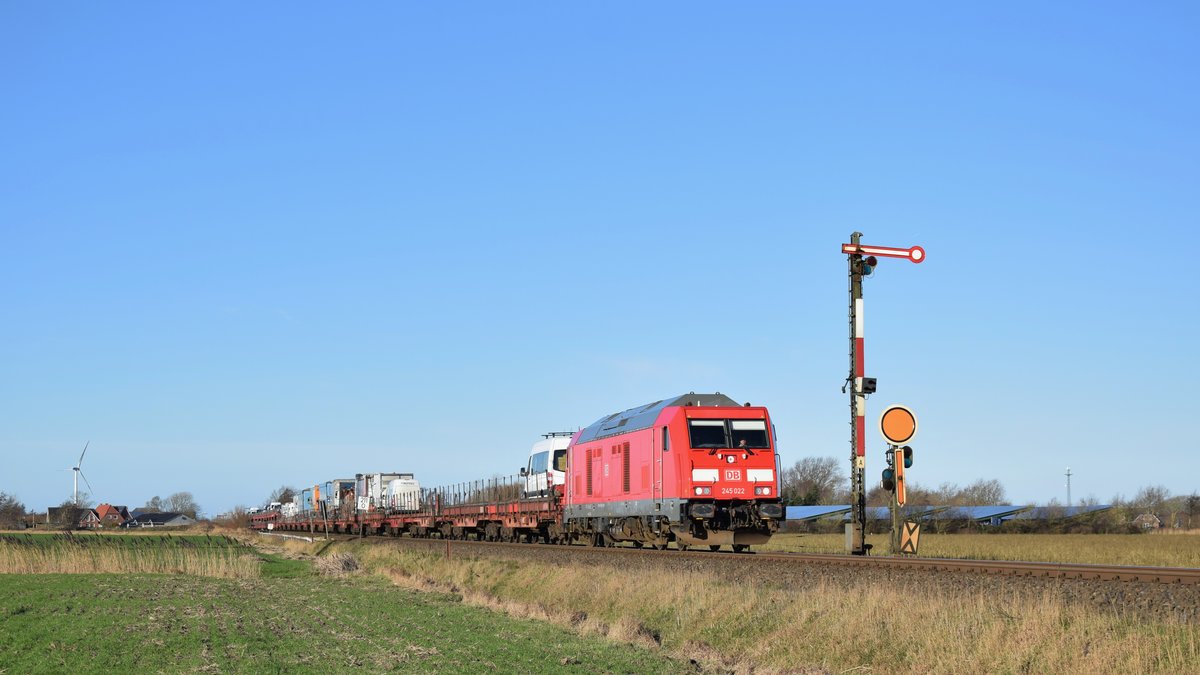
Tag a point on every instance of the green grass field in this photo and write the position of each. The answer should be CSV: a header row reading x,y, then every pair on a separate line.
x,y
290,620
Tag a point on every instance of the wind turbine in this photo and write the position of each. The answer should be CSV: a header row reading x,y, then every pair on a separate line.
x,y
79,472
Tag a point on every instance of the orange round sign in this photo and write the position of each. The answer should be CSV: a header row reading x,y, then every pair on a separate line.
x,y
898,424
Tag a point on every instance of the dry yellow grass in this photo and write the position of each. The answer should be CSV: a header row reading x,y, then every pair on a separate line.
x,y
1107,549
867,627
67,559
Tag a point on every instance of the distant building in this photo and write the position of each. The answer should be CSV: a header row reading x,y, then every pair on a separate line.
x,y
1147,521
158,520
89,519
111,516
83,517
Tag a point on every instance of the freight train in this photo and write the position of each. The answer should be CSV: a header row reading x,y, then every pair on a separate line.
x,y
696,470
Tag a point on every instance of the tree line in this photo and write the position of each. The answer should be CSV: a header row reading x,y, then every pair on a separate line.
x,y
823,480
13,513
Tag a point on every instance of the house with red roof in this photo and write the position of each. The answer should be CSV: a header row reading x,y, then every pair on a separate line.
x,y
108,515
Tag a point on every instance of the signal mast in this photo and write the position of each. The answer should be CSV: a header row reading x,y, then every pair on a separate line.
x,y
862,386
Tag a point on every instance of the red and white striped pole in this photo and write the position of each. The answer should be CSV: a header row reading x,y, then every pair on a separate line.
x,y
857,527
860,401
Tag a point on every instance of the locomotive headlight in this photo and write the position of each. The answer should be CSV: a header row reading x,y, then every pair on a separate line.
x,y
700,490
730,458
762,491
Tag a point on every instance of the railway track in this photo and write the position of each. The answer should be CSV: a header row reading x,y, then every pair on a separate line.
x,y
1085,572
1128,573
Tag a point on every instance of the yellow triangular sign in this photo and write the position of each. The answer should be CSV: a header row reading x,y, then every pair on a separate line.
x,y
909,536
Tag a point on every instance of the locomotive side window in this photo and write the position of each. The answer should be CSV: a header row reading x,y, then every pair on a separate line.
x,y
707,433
754,432
666,439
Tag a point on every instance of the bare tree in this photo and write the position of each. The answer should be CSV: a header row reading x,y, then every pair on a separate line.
x,y
282,494
1191,507
812,480
183,502
237,518
12,512
1152,499
983,493
154,505
915,495
946,494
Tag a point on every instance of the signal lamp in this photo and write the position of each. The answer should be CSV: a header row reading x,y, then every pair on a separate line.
x,y
908,456
889,479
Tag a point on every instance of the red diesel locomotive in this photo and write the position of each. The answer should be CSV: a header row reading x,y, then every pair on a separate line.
x,y
697,470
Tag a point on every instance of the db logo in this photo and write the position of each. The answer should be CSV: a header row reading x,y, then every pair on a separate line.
x,y
733,474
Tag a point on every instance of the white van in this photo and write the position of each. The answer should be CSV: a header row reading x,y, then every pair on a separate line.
x,y
547,465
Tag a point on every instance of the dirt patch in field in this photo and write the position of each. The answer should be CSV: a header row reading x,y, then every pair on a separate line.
x,y
337,564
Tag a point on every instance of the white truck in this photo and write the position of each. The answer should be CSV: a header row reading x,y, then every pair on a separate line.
x,y
391,491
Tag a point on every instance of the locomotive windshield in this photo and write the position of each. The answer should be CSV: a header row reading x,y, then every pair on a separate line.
x,y
753,432
708,434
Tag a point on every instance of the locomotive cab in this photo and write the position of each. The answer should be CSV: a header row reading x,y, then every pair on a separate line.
x,y
733,492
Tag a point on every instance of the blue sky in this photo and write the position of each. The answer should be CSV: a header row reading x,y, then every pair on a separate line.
x,y
247,245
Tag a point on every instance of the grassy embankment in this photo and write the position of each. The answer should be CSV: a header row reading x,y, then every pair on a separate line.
x,y
1158,550
829,627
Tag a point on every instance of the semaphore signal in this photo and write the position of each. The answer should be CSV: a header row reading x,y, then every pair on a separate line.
x,y
862,261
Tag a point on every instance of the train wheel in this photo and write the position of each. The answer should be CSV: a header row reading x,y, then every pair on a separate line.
x,y
741,548
682,546
714,547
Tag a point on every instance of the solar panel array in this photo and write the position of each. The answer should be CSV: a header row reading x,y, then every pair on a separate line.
x,y
993,515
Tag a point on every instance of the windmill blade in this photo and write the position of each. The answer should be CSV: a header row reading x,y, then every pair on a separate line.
x,y
85,480
85,447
